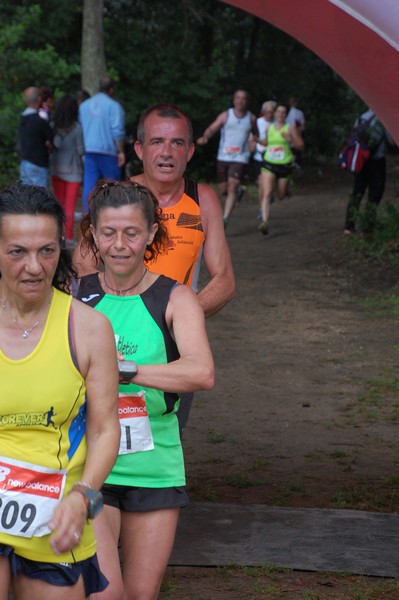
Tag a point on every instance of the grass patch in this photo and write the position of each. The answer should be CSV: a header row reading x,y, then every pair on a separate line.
x,y
213,460
342,458
352,497
215,437
336,360
259,463
286,493
317,455
382,244
385,305
391,480
251,571
239,481
232,582
380,400
204,493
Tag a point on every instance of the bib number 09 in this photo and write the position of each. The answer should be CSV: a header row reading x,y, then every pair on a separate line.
x,y
11,512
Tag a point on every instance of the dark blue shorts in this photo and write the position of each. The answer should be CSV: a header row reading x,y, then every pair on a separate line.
x,y
60,574
140,499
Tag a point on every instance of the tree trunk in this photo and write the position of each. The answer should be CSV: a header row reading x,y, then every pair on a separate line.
x,y
93,57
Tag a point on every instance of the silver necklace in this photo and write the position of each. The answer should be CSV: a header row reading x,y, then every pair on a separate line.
x,y
126,289
25,332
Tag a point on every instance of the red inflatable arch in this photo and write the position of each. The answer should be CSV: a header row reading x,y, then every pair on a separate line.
x,y
359,39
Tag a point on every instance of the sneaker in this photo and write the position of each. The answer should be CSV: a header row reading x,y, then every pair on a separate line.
x,y
264,227
240,193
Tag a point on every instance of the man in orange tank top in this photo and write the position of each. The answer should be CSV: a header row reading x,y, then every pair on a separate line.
x,y
165,146
194,218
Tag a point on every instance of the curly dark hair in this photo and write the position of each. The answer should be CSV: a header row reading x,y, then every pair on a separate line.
x,y
22,199
114,194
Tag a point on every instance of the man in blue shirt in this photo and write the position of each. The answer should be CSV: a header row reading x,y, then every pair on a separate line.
x,y
103,123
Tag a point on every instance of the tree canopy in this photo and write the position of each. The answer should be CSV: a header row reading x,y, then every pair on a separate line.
x,y
195,53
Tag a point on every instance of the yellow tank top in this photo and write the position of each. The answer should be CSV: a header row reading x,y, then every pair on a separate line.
x,y
186,238
42,429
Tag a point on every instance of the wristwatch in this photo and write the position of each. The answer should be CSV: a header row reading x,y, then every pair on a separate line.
x,y
127,370
93,498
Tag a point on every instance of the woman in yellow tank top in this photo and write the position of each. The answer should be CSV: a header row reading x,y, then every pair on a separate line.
x,y
59,431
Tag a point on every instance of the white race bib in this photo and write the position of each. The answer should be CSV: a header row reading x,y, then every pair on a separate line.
x,y
275,153
136,435
232,150
28,496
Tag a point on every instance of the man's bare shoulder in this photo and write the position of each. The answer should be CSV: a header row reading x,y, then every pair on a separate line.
x,y
223,115
211,210
138,179
207,195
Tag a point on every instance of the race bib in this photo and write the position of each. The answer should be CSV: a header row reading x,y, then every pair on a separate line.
x,y
28,496
136,435
275,153
232,149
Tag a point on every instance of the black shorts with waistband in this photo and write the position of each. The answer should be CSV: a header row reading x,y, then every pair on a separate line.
x,y
279,171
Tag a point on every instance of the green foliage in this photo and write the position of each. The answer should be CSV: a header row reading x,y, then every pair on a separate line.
x,y
22,64
215,437
384,305
195,53
383,241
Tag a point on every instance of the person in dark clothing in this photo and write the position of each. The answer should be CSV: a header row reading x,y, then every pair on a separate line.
x,y
371,176
35,138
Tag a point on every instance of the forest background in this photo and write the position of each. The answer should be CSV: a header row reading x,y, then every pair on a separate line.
x,y
194,53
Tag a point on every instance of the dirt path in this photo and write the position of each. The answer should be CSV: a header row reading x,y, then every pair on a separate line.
x,y
305,408
290,420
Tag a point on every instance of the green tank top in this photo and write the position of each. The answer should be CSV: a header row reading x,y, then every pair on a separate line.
x,y
278,150
142,335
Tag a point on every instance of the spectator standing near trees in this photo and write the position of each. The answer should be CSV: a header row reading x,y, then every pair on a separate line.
x,y
237,125
371,176
48,103
35,140
66,166
296,118
103,122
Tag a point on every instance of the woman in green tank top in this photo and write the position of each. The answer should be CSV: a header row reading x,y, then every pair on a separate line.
x,y
159,325
277,161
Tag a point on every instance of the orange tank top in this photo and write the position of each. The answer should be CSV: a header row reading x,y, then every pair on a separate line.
x,y
186,238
